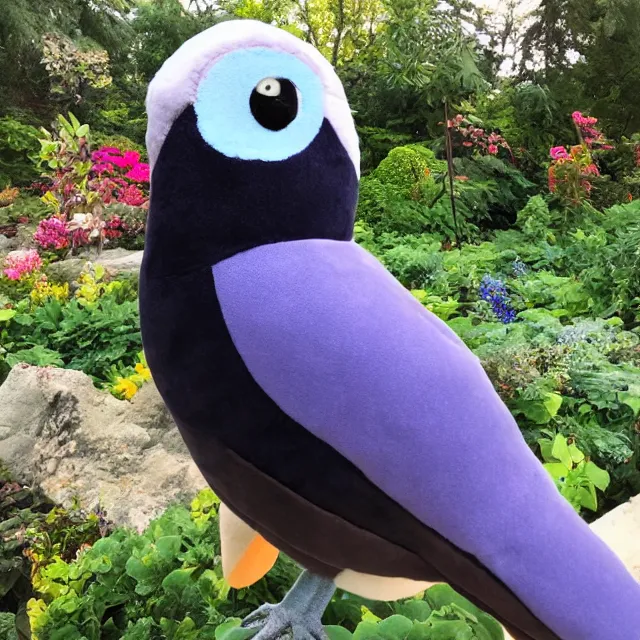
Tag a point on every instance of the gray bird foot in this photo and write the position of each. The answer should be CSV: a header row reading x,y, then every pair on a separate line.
x,y
277,622
298,616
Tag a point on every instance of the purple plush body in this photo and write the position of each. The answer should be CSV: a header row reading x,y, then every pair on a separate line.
x,y
348,353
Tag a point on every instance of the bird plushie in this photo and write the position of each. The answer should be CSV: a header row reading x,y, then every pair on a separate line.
x,y
337,419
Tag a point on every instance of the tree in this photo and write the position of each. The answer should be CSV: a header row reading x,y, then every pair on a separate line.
x,y
90,24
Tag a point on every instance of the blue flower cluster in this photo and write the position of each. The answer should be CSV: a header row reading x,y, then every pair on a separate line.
x,y
519,268
495,291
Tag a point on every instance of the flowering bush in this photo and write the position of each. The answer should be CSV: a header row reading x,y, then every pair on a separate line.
x,y
124,384
43,291
119,176
477,139
571,173
494,291
83,184
19,264
592,137
52,234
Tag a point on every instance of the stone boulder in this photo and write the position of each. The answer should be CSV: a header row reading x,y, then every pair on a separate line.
x,y
60,432
120,261
115,262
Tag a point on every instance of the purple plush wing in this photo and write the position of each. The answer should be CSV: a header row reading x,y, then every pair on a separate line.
x,y
348,353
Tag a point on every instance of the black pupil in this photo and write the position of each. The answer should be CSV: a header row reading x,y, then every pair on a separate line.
x,y
275,112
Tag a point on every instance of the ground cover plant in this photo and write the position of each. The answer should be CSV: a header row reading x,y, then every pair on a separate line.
x,y
507,204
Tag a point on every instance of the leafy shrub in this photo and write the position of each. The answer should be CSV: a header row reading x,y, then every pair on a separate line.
x,y
167,582
8,626
90,336
18,145
34,533
535,218
500,190
25,208
375,144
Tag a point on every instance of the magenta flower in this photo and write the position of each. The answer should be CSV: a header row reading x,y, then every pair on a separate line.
x,y
20,263
139,172
131,157
131,196
493,149
52,234
559,153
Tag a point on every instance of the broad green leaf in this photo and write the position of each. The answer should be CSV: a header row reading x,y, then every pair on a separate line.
x,y
6,314
598,476
169,546
576,455
631,399
395,628
588,498
552,403
82,131
364,631
418,610
75,123
560,451
178,580
420,631
451,630
337,633
557,470
546,448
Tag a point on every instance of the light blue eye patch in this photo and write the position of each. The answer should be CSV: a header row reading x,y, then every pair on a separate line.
x,y
224,115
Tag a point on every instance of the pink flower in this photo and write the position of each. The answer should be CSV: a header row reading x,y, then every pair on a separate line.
x,y
102,167
52,233
131,158
20,263
559,153
132,196
12,274
493,149
139,172
467,144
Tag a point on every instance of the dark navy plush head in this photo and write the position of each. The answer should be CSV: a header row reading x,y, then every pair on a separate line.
x,y
251,141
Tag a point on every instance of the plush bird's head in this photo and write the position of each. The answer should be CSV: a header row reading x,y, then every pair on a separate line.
x,y
251,141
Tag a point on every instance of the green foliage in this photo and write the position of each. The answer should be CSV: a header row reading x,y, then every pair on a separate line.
x,y
18,146
576,477
30,207
91,337
8,626
165,579
535,218
167,582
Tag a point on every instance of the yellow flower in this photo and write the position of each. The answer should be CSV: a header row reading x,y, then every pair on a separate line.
x,y
125,388
43,291
143,371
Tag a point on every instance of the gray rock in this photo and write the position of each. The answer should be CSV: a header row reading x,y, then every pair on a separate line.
x,y
120,260
60,432
66,270
5,243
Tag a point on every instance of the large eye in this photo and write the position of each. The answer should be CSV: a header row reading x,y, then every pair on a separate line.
x,y
274,103
259,104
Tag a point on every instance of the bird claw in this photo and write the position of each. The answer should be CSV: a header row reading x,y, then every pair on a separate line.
x,y
277,622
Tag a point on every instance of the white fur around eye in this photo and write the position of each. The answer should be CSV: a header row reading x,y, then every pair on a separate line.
x,y
269,87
